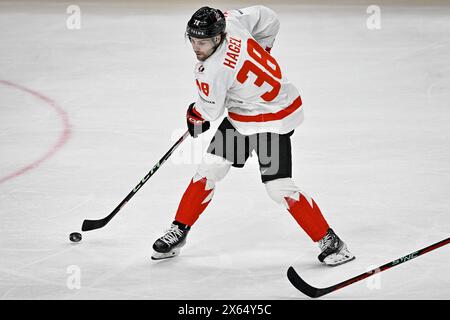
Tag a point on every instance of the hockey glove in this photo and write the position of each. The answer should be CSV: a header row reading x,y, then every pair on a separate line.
x,y
196,124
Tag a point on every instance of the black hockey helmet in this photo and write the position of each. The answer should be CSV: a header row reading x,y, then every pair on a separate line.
x,y
206,22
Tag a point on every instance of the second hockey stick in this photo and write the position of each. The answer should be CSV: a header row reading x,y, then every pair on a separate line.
x,y
96,224
313,292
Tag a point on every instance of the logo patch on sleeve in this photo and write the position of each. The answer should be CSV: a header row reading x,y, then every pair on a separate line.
x,y
200,69
203,87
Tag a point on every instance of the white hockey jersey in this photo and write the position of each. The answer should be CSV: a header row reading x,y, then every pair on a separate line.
x,y
244,78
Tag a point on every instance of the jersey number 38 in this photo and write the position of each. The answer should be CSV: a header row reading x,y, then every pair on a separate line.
x,y
268,63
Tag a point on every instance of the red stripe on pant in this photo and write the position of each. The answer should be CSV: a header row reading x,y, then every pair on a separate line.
x,y
308,217
192,203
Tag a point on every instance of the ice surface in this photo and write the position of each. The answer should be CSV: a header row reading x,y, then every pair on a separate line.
x,y
373,151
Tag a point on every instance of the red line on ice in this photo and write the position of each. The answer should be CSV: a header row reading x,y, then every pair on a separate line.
x,y
63,137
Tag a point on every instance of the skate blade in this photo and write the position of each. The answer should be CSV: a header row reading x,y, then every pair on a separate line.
x,y
167,255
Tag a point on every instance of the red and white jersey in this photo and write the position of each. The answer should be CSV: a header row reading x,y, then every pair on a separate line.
x,y
244,78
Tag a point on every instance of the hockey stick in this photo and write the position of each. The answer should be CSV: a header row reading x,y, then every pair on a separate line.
x,y
96,224
313,292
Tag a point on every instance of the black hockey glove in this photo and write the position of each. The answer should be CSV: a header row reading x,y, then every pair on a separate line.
x,y
196,124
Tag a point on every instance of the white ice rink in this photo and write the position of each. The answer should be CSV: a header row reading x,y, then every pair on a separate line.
x,y
86,113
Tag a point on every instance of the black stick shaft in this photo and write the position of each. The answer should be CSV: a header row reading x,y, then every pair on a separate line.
x,y
391,264
149,174
314,292
95,224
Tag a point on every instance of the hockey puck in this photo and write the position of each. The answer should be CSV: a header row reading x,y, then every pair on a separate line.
x,y
75,237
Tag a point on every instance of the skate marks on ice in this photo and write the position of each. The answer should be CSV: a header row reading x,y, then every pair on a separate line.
x,y
100,272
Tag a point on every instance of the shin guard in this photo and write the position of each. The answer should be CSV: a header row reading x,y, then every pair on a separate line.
x,y
307,214
195,200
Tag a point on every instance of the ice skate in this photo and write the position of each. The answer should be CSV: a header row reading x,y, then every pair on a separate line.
x,y
334,250
168,246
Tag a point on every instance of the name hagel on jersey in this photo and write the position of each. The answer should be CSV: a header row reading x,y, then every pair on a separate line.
x,y
244,78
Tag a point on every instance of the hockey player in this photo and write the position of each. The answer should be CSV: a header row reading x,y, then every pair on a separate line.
x,y
235,71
